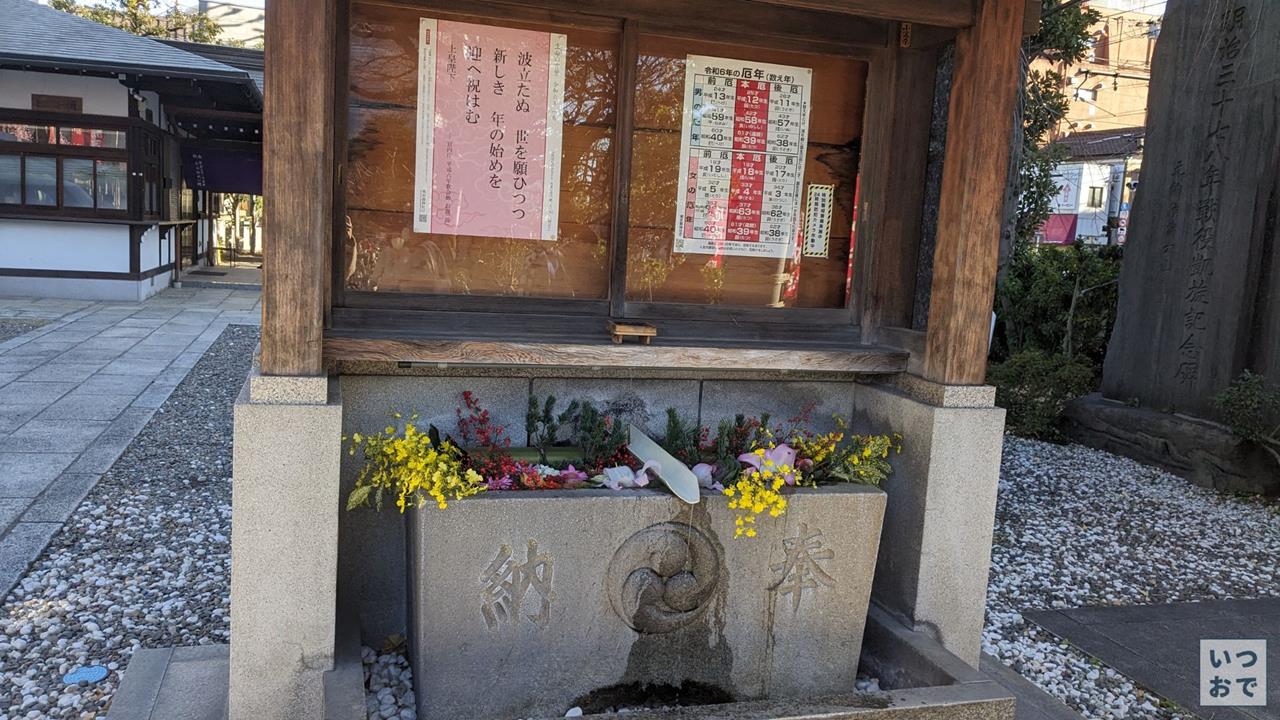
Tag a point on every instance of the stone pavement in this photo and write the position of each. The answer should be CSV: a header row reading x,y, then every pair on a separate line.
x,y
75,392
1158,646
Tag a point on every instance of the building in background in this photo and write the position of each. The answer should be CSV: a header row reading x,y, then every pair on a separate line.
x,y
241,24
1104,126
1095,187
110,148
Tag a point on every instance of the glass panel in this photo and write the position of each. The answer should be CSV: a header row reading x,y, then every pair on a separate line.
x,y
655,271
21,132
42,181
113,185
10,179
383,250
77,182
91,137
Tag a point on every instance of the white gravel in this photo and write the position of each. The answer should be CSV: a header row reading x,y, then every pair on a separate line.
x,y
144,560
1078,527
388,684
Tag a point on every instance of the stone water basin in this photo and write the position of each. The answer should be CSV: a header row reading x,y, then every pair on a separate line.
x,y
527,604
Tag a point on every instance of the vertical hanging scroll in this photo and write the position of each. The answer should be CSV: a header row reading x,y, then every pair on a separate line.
x,y
490,112
742,152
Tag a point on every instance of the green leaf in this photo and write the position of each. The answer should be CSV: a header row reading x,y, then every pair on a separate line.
x,y
358,497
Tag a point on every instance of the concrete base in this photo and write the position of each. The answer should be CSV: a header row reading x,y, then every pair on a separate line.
x,y
1204,452
186,683
932,569
85,288
284,557
532,603
923,682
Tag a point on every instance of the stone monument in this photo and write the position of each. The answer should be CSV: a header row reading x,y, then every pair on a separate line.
x,y
1200,289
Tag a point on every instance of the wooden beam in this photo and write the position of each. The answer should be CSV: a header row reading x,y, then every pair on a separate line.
x,y
895,153
947,13
298,183
605,355
979,128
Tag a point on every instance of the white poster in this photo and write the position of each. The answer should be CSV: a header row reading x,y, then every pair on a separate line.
x,y
490,104
742,148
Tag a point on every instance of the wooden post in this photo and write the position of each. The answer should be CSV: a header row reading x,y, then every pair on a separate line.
x,y
895,155
984,88
298,183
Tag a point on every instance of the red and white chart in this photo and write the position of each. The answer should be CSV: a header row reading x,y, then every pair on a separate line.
x,y
742,148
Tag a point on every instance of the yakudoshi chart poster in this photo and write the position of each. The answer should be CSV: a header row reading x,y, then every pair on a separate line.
x,y
742,148
488,146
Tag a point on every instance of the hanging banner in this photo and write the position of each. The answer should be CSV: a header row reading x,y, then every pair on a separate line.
x,y
490,113
742,148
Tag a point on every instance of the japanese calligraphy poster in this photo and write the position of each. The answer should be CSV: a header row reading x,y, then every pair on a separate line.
x,y
489,131
742,147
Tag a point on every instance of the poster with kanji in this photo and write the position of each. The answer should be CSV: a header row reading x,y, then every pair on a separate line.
x,y
488,142
742,148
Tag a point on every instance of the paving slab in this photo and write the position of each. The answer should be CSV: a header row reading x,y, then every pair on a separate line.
x,y
34,393
75,406
61,498
53,436
20,546
75,392
26,475
1158,646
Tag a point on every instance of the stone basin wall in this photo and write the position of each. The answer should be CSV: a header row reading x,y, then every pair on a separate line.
x,y
529,603
372,569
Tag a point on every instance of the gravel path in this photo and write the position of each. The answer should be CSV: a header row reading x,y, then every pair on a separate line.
x,y
145,559
10,328
1078,527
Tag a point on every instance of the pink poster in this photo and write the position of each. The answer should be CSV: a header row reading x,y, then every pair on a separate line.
x,y
489,131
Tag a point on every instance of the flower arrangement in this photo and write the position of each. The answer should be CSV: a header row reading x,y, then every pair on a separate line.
x,y
745,460
412,465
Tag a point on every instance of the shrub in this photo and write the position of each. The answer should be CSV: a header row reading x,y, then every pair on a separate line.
x,y
1058,300
1252,410
1034,388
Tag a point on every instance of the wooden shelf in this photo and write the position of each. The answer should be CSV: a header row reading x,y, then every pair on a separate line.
x,y
606,356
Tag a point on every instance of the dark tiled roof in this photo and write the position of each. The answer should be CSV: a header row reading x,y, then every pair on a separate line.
x,y
246,59
1104,143
40,37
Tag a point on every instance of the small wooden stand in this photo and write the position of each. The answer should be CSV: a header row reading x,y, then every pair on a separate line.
x,y
620,330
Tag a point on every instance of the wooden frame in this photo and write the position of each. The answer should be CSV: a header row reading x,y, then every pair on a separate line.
x,y
628,18
58,121
305,158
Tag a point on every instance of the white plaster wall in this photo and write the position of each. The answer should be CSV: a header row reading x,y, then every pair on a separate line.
x,y
48,245
102,96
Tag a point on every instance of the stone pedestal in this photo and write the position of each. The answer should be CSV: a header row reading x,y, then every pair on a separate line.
x,y
527,604
284,547
933,565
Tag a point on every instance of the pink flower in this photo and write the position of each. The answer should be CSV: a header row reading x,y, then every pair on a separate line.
x,y
501,483
572,475
706,476
780,459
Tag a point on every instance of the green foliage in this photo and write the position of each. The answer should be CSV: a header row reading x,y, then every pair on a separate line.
x,y
682,439
1251,408
1064,31
732,439
1058,300
1063,37
1034,387
544,424
1044,107
599,436
148,18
